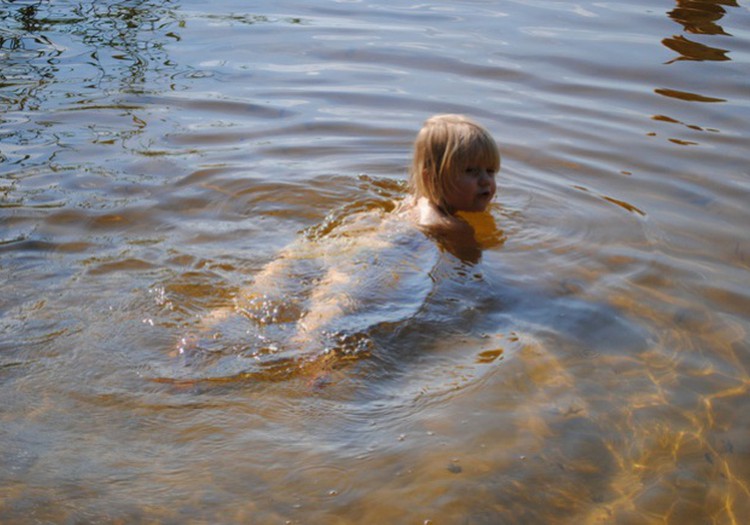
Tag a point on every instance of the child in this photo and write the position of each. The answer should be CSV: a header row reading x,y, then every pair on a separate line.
x,y
454,167
374,267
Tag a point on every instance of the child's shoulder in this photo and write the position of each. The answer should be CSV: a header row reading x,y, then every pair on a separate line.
x,y
426,216
452,233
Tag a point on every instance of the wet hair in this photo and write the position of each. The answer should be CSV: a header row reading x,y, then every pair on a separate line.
x,y
445,146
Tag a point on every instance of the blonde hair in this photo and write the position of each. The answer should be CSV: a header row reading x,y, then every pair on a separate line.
x,y
445,146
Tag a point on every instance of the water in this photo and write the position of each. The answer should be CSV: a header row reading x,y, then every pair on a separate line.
x,y
591,367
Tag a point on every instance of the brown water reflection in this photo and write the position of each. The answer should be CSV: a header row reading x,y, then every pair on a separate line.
x,y
701,17
698,17
693,50
591,366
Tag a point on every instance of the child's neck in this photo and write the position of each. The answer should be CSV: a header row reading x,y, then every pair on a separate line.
x,y
452,232
431,216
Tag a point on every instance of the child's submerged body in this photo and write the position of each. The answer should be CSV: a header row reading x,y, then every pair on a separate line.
x,y
321,294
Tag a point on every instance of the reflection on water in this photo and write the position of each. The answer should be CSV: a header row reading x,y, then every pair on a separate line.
x,y
591,364
701,18
694,51
117,31
60,57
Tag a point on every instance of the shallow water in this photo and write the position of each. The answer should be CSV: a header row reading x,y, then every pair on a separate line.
x,y
591,367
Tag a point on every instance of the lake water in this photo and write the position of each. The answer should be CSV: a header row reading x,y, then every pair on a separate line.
x,y
593,366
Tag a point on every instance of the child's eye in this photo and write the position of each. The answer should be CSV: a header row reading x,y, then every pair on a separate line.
x,y
476,171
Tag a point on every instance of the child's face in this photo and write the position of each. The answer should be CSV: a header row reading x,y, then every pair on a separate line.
x,y
472,190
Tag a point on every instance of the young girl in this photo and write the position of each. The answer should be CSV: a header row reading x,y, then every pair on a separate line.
x,y
454,167
323,294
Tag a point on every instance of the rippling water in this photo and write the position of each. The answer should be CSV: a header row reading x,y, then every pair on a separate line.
x,y
591,367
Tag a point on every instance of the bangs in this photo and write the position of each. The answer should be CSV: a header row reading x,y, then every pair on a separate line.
x,y
479,148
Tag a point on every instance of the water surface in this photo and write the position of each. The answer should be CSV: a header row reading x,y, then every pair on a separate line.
x,y
592,366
